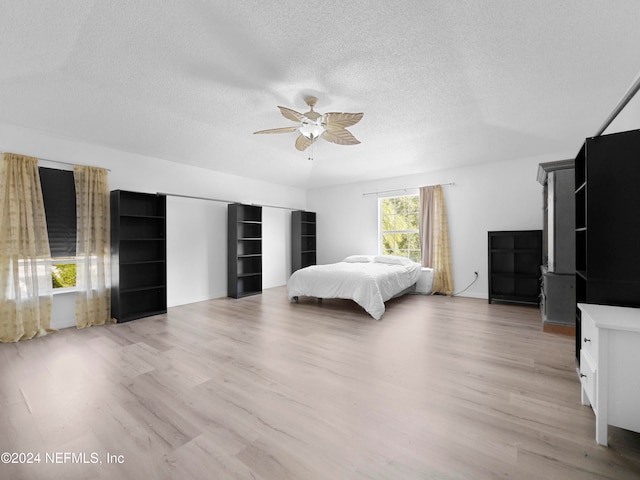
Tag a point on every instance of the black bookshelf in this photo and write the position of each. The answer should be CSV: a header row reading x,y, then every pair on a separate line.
x,y
607,227
303,239
138,255
515,258
244,267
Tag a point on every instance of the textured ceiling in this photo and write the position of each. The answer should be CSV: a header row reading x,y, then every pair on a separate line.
x,y
441,83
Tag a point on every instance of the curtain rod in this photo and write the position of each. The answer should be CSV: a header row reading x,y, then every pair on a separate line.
x,y
54,161
633,89
407,188
224,201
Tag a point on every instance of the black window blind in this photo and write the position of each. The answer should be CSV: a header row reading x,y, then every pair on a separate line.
x,y
59,195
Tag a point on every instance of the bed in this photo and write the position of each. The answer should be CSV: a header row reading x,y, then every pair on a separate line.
x,y
366,279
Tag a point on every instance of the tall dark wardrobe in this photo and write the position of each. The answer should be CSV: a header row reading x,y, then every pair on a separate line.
x,y
607,222
558,271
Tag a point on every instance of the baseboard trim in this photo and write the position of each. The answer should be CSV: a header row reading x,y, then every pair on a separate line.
x,y
569,330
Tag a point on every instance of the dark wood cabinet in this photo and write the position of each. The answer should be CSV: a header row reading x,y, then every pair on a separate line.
x,y
244,260
514,266
138,255
303,239
557,295
607,224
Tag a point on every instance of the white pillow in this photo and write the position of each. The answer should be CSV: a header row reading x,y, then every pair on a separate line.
x,y
393,260
359,259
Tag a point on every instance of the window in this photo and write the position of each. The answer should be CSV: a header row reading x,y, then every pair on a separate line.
x,y
59,195
399,217
63,273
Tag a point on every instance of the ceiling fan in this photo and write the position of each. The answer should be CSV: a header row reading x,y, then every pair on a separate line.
x,y
313,125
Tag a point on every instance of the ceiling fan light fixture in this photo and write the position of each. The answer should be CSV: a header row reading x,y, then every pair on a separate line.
x,y
312,129
312,125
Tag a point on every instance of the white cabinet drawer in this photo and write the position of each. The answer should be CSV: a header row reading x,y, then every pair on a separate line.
x,y
589,337
609,360
588,373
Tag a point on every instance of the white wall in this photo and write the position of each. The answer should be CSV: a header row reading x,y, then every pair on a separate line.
x,y
627,119
196,244
276,240
197,249
196,229
494,196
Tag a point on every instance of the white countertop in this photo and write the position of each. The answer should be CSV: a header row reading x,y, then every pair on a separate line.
x,y
613,317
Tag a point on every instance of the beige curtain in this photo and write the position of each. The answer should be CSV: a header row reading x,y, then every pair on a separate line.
x,y
25,259
93,247
434,238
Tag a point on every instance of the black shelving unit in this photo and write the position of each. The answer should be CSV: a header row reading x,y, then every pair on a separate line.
x,y
244,267
514,266
138,255
607,229
303,239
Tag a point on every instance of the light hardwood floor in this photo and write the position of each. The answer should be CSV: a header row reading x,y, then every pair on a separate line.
x,y
260,388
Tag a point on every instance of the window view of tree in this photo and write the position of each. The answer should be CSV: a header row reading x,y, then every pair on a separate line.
x,y
399,226
63,275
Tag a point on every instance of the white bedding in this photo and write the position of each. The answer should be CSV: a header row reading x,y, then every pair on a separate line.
x,y
369,284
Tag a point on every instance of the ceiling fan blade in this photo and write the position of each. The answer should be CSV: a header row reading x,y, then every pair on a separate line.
x,y
291,114
341,120
303,142
278,130
340,136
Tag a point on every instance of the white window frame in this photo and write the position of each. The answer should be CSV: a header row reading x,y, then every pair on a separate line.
x,y
381,250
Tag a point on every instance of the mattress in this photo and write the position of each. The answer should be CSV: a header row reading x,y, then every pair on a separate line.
x,y
368,283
